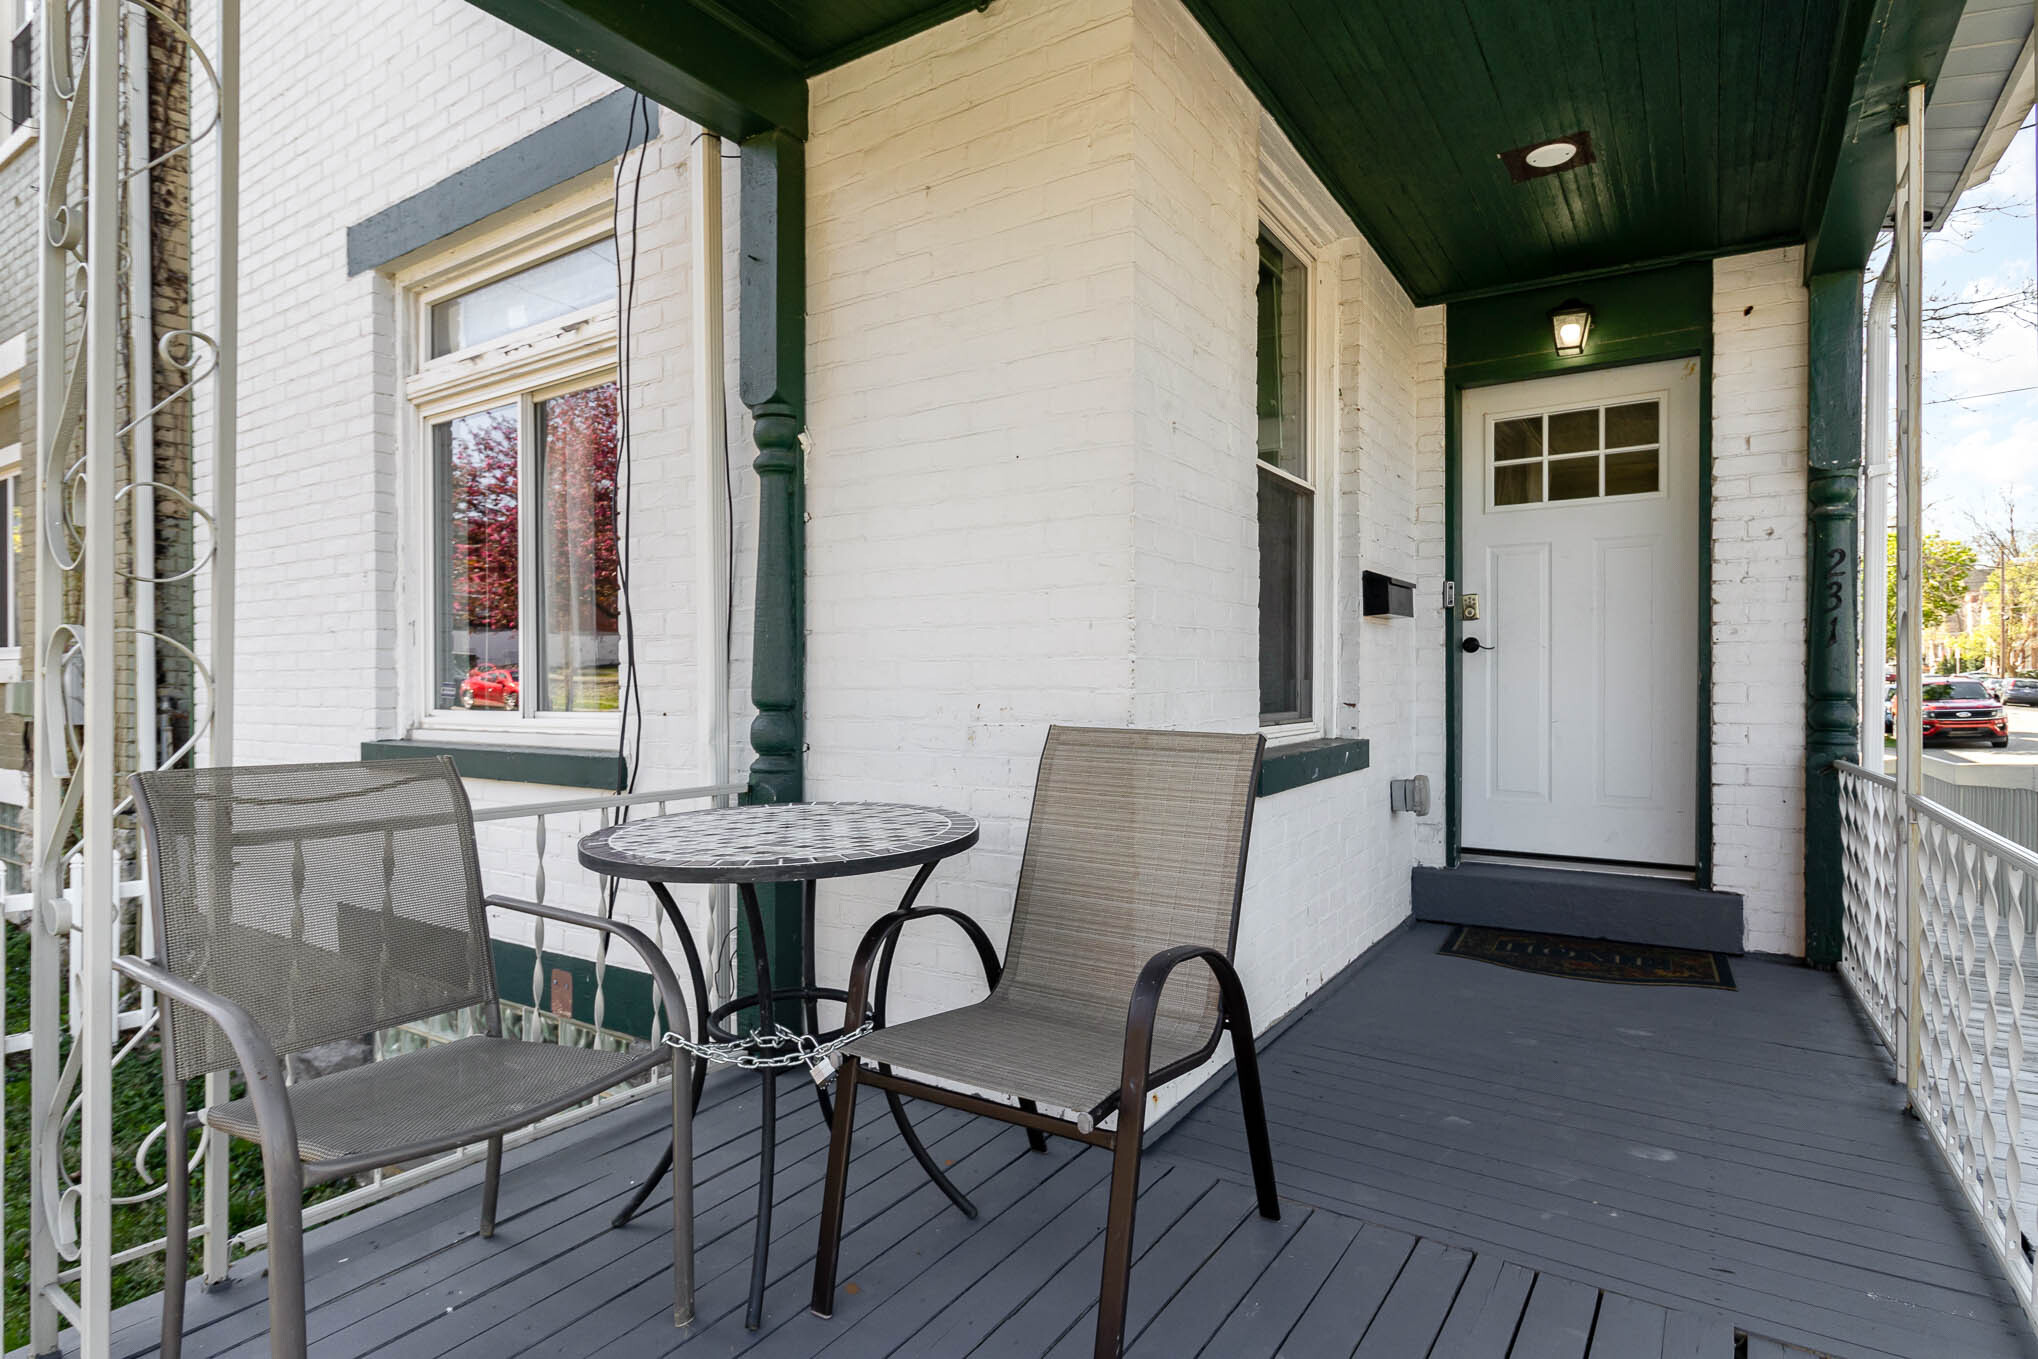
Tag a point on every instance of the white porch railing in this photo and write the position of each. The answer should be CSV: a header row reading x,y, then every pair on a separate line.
x,y
1968,993
528,851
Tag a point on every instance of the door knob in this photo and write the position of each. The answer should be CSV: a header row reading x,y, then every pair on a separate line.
x,y
1471,646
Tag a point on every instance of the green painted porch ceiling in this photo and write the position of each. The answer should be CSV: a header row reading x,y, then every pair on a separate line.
x,y
1707,117
1714,122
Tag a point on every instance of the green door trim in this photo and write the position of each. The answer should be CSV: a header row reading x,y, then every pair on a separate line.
x,y
1647,317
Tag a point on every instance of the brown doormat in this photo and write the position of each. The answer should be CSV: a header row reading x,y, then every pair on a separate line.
x,y
1560,955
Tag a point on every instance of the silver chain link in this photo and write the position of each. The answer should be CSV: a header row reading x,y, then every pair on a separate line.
x,y
806,1050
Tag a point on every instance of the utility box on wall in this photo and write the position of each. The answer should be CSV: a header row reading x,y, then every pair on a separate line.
x,y
1385,597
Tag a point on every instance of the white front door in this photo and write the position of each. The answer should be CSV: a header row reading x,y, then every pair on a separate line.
x,y
1580,548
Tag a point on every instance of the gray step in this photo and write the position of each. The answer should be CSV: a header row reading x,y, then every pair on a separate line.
x,y
1619,906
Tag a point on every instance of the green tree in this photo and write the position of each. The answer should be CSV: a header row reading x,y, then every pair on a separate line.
x,y
1947,563
2018,599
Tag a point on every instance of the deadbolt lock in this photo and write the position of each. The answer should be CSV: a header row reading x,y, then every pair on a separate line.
x,y
1470,611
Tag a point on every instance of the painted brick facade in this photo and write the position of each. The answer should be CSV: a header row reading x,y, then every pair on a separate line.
x,y
1758,605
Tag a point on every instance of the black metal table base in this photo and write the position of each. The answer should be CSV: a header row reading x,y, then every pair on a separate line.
x,y
765,1000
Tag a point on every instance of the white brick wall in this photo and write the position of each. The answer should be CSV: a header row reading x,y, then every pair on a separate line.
x,y
1758,606
331,134
1032,488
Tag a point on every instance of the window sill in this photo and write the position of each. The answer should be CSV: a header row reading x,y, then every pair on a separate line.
x,y
1305,762
556,768
17,141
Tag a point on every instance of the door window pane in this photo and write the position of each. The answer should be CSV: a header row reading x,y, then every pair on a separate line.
x,y
1521,484
1281,297
478,559
1517,439
1286,642
1631,473
1574,432
1574,478
540,293
1632,424
578,571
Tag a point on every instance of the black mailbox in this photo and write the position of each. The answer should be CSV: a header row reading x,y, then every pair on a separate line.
x,y
1386,597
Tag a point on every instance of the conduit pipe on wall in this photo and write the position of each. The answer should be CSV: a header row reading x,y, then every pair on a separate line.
x,y
711,541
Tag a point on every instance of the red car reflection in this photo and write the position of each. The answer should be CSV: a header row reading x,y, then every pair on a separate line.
x,y
489,686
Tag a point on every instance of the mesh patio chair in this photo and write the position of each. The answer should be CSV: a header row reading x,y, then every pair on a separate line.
x,y
1135,860
298,904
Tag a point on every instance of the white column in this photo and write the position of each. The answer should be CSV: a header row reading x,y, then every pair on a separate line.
x,y
226,333
1875,470
1909,247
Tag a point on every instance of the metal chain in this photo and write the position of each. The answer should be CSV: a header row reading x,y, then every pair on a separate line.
x,y
806,1050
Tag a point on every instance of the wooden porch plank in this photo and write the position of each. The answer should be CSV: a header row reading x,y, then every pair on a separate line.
x,y
431,1290
1488,1310
1156,1278
1697,1335
1047,1282
1213,1292
638,1324
1274,1304
1627,1328
924,1270
1414,1310
606,1264
1557,1323
1350,1298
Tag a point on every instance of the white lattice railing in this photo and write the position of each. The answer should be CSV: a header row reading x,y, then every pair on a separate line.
x,y
1969,994
1871,860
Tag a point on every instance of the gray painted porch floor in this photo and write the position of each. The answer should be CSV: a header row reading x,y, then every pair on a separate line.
x,y
1474,1161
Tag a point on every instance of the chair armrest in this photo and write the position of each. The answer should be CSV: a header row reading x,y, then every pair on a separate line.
x,y
661,971
1144,1008
255,1055
882,933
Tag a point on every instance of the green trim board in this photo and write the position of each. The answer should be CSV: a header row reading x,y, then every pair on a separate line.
x,y
1642,317
604,770
627,991
1306,762
590,136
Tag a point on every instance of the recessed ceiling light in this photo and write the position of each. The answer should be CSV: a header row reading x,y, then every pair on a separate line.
x,y
1550,155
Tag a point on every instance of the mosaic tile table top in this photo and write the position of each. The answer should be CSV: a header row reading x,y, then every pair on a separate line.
x,y
779,842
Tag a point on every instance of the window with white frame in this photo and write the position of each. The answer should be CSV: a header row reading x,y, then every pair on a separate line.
x,y
516,444
10,523
1288,497
17,30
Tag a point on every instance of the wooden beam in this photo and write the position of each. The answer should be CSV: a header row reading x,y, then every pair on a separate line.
x,y
683,55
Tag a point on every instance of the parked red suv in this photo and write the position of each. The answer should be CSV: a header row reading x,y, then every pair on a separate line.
x,y
489,686
1958,707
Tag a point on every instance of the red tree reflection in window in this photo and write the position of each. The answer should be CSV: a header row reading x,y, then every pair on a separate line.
x,y
581,589
480,453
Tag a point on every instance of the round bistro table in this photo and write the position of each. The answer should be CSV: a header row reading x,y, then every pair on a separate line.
x,y
801,842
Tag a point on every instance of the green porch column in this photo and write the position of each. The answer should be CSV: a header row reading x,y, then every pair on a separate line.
x,y
1832,668
772,278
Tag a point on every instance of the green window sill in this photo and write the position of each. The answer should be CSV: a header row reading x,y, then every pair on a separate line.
x,y
598,769
1306,762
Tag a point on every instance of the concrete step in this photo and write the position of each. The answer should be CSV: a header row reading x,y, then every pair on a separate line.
x,y
1591,905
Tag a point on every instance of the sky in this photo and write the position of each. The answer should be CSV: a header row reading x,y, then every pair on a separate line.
x,y
1981,402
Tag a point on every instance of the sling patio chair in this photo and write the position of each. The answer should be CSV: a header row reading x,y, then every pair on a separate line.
x,y
296,905
1134,864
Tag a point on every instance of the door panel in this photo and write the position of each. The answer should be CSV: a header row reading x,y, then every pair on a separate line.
x,y
1580,538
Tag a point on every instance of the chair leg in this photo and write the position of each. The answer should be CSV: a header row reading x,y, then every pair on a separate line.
x,y
1116,1287
284,1190
1255,1109
828,1249
1035,1138
926,1158
176,1218
682,1190
491,1181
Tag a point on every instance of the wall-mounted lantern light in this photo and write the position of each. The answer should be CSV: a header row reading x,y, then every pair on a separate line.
x,y
1569,325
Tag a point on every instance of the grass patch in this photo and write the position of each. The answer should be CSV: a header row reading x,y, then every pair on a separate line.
x,y
137,1109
